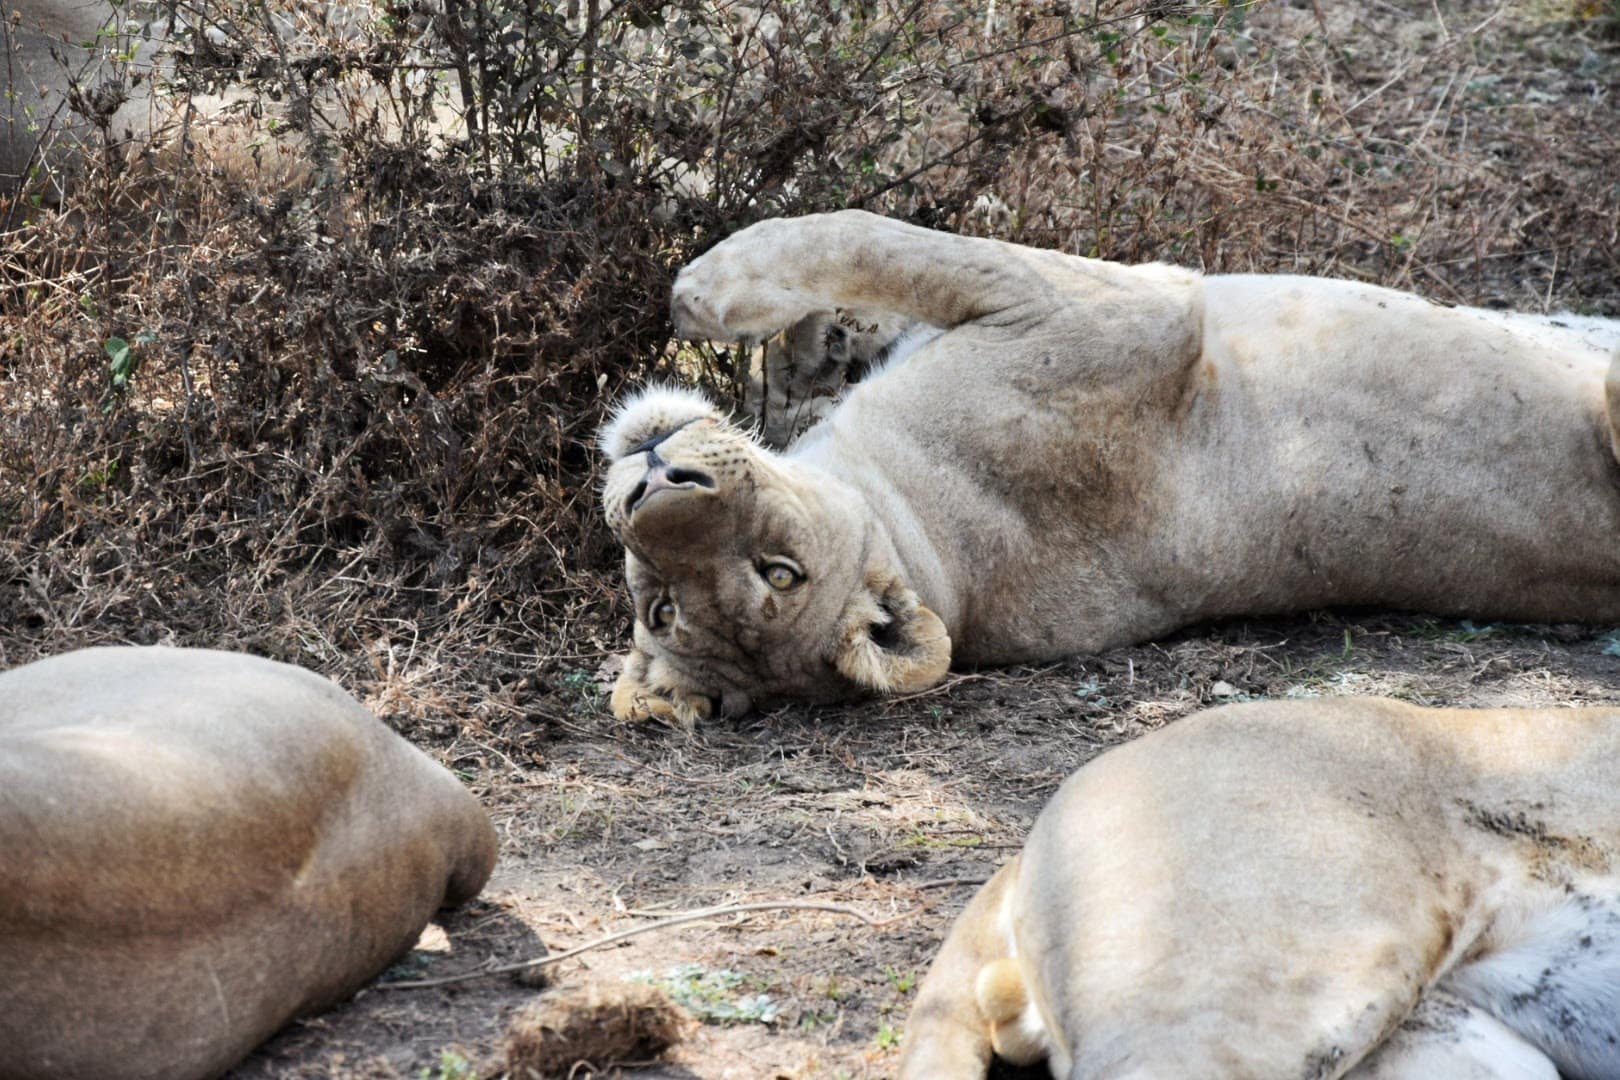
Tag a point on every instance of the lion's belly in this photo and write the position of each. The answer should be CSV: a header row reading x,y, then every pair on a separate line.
x,y
1351,445
1553,976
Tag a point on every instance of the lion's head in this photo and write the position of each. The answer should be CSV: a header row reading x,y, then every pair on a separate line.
x,y
753,576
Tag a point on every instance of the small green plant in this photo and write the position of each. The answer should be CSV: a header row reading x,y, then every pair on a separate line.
x,y
452,1066
712,994
902,981
410,966
123,359
920,839
99,476
1463,632
888,1036
581,685
1089,691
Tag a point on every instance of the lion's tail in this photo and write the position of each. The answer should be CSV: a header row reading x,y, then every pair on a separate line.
x,y
948,1037
976,999
1015,1031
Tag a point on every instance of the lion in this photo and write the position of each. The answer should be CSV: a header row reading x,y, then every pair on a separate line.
x,y
1352,887
199,846
1082,455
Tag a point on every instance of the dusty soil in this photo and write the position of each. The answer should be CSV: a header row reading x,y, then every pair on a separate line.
x,y
891,808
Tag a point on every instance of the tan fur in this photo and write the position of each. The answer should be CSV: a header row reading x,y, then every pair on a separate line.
x,y
889,671
999,991
1094,454
1300,889
1611,394
198,847
1003,1000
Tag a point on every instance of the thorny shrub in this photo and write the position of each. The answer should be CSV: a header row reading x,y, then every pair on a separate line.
x,y
341,413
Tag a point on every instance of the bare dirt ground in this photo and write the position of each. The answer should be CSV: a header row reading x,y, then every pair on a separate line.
x,y
891,808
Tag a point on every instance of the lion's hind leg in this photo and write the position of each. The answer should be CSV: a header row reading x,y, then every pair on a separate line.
x,y
1447,1037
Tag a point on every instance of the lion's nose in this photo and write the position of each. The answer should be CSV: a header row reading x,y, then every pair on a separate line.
x,y
662,476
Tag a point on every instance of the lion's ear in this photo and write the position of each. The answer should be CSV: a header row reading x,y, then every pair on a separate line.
x,y
635,698
890,643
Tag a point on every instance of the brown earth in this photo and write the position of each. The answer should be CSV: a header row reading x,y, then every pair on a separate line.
x,y
891,808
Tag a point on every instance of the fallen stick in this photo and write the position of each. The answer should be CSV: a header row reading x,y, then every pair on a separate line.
x,y
661,924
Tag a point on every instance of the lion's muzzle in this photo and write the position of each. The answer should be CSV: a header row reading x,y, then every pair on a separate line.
x,y
662,476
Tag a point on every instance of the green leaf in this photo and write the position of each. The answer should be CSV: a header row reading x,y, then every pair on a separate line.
x,y
121,361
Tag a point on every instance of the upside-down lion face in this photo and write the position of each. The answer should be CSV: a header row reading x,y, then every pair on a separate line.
x,y
753,577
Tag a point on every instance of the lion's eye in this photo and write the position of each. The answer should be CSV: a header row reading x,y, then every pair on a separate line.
x,y
661,614
781,576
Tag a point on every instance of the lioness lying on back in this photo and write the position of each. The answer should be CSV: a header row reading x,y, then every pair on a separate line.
x,y
1093,454
1304,890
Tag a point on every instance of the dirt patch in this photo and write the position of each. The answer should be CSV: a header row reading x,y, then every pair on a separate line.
x,y
888,807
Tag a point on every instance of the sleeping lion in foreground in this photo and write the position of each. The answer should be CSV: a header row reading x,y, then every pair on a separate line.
x,y
1306,890
197,847
1081,455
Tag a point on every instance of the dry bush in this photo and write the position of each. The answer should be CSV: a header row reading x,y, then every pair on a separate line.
x,y
346,420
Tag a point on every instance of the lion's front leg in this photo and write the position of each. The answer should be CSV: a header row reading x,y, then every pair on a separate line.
x,y
771,275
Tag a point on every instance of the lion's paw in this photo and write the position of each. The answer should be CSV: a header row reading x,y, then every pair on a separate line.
x,y
635,700
737,291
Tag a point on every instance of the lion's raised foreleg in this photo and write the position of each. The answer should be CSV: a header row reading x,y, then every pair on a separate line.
x,y
767,277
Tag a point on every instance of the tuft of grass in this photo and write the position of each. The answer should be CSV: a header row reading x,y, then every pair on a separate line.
x,y
588,698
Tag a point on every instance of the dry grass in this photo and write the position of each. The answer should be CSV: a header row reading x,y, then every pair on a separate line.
x,y
590,1025
358,435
